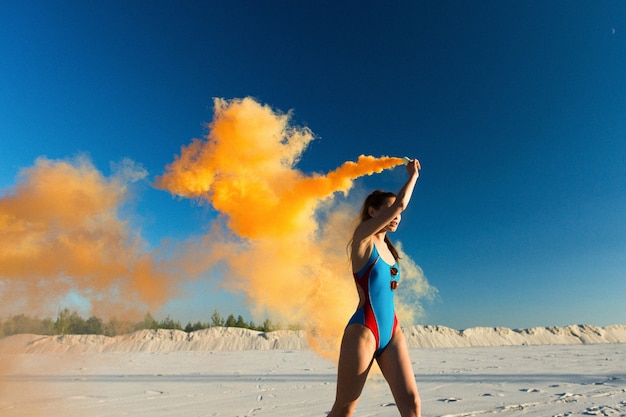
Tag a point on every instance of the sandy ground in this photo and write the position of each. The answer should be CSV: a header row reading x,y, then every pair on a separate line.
x,y
557,380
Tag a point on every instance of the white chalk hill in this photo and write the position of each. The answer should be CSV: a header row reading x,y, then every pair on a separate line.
x,y
223,338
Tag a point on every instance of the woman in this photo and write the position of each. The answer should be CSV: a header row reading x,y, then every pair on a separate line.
x,y
373,332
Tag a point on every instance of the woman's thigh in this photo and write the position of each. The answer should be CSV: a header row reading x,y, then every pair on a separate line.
x,y
395,364
355,360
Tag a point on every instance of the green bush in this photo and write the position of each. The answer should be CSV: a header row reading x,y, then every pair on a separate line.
x,y
70,322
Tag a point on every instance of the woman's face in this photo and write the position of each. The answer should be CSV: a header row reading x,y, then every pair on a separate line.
x,y
392,226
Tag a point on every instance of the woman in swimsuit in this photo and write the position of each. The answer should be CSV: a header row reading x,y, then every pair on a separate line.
x,y
373,332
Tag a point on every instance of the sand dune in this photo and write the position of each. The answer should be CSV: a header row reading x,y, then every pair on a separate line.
x,y
444,337
223,339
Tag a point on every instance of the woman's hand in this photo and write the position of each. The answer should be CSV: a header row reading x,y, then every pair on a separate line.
x,y
413,167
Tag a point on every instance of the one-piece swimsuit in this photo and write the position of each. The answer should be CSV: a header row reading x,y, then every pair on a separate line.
x,y
377,312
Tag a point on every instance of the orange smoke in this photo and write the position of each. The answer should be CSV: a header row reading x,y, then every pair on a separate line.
x,y
285,238
280,237
61,231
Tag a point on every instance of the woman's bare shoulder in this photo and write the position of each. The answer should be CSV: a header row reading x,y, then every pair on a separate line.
x,y
360,252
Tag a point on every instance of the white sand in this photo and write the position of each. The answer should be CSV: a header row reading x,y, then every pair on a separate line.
x,y
156,374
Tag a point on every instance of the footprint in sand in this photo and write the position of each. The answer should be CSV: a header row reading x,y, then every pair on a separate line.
x,y
488,394
603,410
530,390
568,397
513,407
449,400
152,392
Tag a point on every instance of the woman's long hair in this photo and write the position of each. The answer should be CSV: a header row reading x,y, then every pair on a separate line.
x,y
376,200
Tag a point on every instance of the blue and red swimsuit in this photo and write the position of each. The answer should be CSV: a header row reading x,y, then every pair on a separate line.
x,y
377,312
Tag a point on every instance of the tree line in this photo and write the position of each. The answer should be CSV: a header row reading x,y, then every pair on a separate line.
x,y
70,322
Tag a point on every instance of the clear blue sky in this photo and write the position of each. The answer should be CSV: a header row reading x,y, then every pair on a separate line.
x,y
517,111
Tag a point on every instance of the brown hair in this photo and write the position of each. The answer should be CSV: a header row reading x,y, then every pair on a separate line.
x,y
376,200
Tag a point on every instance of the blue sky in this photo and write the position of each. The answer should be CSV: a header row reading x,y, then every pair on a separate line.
x,y
516,110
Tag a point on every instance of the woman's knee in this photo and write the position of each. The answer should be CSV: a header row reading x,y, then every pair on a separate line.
x,y
417,402
411,406
342,409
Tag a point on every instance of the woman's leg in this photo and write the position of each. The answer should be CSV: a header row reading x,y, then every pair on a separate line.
x,y
355,359
396,367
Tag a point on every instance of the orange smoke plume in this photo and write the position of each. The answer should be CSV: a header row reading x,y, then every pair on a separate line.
x,y
61,231
279,252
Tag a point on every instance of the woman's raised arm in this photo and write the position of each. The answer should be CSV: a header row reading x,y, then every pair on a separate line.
x,y
386,214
